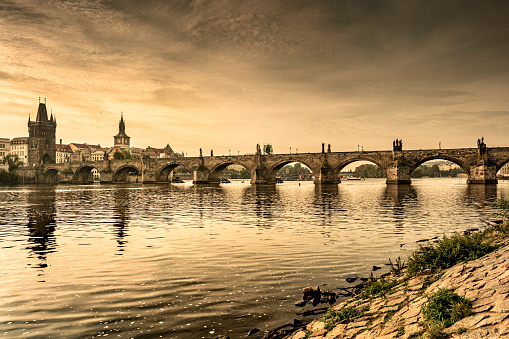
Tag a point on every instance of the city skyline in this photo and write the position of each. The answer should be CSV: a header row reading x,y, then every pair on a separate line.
x,y
226,76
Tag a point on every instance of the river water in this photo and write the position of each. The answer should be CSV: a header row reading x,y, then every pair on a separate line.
x,y
180,261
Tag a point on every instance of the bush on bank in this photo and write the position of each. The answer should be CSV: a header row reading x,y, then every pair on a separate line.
x,y
444,308
449,251
9,178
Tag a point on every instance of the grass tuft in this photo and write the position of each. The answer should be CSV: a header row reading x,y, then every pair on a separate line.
x,y
344,315
378,288
449,251
444,308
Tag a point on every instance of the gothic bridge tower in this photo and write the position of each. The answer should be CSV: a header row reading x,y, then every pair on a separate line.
x,y
41,138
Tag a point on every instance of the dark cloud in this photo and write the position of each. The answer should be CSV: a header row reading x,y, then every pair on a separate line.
x,y
12,12
373,67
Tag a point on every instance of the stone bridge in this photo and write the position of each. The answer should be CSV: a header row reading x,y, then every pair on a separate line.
x,y
481,165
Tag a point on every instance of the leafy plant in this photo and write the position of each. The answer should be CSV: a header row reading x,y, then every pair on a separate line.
x,y
397,267
345,314
401,332
13,161
443,309
10,178
449,251
378,288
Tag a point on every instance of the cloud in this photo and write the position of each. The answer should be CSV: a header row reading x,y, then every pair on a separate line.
x,y
345,72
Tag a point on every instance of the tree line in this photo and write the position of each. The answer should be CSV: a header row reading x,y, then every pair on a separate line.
x,y
433,171
11,176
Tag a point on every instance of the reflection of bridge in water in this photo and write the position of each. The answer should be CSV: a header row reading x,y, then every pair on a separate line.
x,y
481,165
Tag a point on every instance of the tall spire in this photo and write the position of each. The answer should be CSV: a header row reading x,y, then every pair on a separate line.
x,y
121,125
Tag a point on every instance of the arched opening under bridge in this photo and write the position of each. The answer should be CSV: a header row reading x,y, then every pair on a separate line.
x,y
127,174
503,171
181,174
174,173
227,172
360,170
438,168
86,175
292,171
51,176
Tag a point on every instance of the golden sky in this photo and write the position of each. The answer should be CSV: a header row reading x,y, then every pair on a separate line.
x,y
226,75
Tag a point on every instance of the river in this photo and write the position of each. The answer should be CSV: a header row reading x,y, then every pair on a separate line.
x,y
180,261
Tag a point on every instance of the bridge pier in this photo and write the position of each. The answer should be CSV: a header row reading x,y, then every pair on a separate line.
x,y
398,173
325,176
201,176
482,174
260,177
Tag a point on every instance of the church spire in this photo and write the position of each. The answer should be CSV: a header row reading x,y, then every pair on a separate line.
x,y
121,125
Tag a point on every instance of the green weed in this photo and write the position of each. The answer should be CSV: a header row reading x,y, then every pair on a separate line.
x,y
448,251
443,309
378,288
345,315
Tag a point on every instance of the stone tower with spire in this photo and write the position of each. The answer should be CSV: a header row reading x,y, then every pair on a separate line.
x,y
41,138
121,140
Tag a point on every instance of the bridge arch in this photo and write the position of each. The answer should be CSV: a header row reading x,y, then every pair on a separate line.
x,y
120,174
50,176
272,173
216,171
458,162
501,164
162,175
83,174
347,162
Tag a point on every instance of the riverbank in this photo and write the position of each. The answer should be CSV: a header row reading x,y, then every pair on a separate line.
x,y
398,306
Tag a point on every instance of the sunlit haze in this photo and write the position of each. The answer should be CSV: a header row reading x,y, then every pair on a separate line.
x,y
226,75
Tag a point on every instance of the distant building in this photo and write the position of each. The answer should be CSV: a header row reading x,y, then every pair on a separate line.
x,y
166,152
83,152
64,153
19,146
504,171
99,154
5,148
447,165
41,134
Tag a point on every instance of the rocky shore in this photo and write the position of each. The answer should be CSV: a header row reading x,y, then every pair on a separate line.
x,y
399,313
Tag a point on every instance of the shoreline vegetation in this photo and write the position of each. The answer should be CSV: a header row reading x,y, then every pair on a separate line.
x,y
454,287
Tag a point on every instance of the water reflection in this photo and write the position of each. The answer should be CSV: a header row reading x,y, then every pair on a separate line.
x,y
265,197
121,217
41,223
326,199
400,197
480,194
198,260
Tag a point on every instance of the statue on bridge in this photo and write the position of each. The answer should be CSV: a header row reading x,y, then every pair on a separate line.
x,y
481,146
397,145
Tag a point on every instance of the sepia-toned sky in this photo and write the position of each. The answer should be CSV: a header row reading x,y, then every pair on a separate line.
x,y
227,75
